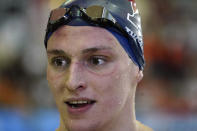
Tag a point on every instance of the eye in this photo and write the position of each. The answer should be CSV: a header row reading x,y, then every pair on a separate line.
x,y
60,62
97,60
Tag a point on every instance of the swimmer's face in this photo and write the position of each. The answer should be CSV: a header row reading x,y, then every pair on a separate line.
x,y
92,78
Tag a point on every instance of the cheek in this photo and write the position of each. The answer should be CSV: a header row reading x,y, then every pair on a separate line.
x,y
111,88
55,80
116,88
111,94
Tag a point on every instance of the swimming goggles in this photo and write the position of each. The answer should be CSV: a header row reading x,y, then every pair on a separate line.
x,y
94,15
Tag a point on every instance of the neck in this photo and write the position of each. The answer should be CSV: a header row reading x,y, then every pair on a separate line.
x,y
62,127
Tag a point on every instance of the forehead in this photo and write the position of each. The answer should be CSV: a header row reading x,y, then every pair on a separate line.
x,y
85,31
80,37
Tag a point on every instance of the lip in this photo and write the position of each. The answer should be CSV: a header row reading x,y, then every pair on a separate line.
x,y
80,110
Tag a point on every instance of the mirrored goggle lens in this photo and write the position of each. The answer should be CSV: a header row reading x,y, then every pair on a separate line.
x,y
95,11
57,14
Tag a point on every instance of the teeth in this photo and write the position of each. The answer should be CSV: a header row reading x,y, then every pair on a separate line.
x,y
78,102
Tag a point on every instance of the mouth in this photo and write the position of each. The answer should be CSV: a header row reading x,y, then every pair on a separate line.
x,y
77,106
79,103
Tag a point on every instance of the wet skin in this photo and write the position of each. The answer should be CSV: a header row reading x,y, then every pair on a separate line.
x,y
88,63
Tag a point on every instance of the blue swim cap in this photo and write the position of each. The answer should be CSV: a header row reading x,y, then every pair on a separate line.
x,y
124,42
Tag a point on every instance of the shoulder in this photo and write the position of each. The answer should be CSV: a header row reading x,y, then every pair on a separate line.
x,y
142,127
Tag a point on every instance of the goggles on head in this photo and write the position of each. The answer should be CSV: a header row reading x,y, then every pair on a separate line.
x,y
93,15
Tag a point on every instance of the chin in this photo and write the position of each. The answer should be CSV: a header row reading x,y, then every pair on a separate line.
x,y
85,127
81,125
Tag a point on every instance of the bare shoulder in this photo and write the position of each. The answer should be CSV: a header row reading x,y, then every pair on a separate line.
x,y
142,127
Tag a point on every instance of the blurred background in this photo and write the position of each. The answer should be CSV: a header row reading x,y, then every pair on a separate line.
x,y
166,97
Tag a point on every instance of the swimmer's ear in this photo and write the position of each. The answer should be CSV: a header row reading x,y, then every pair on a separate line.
x,y
140,75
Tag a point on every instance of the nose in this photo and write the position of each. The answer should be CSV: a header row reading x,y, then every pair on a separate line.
x,y
75,78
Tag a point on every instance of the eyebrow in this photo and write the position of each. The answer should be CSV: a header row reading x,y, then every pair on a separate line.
x,y
56,52
95,49
88,50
